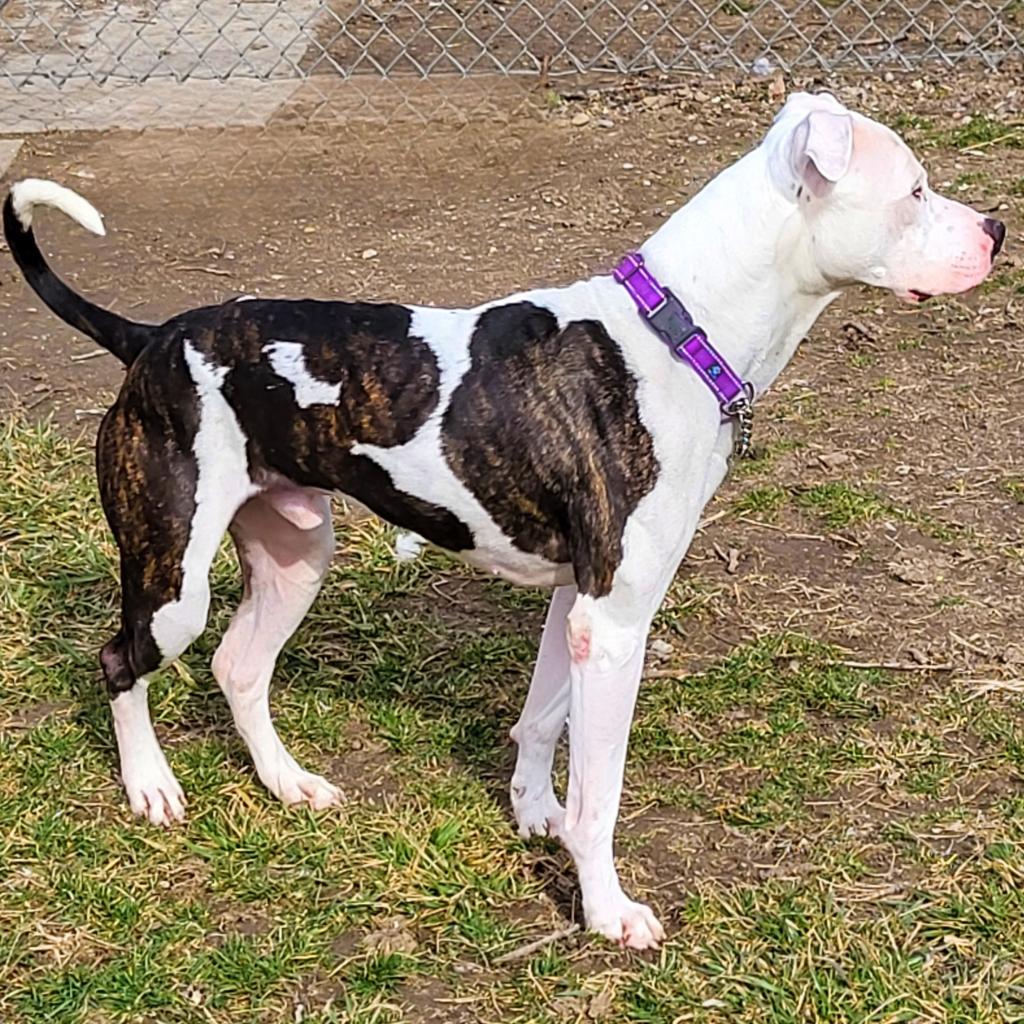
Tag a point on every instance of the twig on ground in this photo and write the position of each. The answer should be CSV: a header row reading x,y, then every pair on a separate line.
x,y
532,947
781,529
81,357
201,270
895,666
1011,134
672,673
979,687
967,643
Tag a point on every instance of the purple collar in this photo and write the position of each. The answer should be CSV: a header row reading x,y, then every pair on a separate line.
x,y
688,343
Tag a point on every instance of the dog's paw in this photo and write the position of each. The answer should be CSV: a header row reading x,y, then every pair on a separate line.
x,y
153,792
540,815
299,787
632,925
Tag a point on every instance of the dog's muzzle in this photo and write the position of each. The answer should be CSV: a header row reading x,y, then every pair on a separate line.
x,y
996,230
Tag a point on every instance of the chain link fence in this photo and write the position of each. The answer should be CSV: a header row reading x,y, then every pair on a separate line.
x,y
68,63
60,40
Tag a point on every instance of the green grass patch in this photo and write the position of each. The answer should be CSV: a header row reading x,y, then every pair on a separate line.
x,y
841,505
1015,489
762,502
401,687
981,130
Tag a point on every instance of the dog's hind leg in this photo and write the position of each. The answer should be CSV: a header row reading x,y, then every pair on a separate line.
x,y
171,477
167,541
284,556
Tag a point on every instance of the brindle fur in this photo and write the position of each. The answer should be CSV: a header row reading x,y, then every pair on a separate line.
x,y
545,431
147,481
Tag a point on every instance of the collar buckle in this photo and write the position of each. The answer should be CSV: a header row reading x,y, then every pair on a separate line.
x,y
670,320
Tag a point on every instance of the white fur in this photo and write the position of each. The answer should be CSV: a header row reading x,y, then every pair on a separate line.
x,y
222,486
32,192
153,791
284,567
289,361
408,547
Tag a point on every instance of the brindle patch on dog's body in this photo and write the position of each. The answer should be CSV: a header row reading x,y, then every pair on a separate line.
x,y
147,476
544,429
533,424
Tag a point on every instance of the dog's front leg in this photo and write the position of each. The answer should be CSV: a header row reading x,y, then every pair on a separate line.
x,y
606,642
536,808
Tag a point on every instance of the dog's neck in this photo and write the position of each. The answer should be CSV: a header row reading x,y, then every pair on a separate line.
x,y
738,256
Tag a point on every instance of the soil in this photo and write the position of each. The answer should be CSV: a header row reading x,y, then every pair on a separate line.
x,y
919,406
400,37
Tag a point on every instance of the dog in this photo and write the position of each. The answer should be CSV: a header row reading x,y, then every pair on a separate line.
x,y
550,437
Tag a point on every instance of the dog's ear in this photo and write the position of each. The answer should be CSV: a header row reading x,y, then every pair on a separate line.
x,y
825,140
810,149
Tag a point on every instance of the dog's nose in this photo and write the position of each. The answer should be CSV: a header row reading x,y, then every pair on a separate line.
x,y
996,230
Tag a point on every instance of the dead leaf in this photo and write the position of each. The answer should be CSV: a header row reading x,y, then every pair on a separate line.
x,y
392,937
601,1005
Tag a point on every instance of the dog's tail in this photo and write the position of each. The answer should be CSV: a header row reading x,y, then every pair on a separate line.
x,y
124,338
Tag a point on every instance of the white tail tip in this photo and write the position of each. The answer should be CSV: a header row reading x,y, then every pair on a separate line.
x,y
32,192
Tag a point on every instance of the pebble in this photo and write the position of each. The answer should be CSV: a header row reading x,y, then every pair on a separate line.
x,y
580,119
369,254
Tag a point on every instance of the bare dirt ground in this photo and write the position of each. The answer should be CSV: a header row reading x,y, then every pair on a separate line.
x,y
884,514
883,399
604,34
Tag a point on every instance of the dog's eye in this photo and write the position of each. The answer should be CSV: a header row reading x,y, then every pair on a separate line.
x,y
918,192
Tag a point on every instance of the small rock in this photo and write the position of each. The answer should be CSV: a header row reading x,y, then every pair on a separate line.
x,y
1014,655
369,254
659,649
605,122
601,1004
920,569
831,460
580,119
762,66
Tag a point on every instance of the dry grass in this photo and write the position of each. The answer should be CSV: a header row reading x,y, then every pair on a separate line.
x,y
824,842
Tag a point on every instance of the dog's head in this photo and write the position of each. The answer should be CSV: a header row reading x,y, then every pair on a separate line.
x,y
865,202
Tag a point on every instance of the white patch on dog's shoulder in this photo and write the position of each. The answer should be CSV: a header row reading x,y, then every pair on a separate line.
x,y
289,361
408,547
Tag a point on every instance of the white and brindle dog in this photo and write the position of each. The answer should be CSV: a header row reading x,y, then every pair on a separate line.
x,y
549,437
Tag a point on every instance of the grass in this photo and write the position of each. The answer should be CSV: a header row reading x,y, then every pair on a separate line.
x,y
818,857
1015,489
978,131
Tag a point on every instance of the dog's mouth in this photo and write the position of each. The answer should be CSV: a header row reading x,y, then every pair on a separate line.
x,y
914,296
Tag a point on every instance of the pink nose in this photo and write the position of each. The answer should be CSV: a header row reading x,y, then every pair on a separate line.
x,y
996,230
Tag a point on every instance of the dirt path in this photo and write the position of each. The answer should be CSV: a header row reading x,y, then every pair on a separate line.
x,y
885,513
